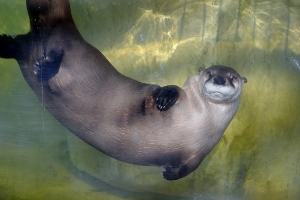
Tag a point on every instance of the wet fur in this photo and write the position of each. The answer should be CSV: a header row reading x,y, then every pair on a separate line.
x,y
131,121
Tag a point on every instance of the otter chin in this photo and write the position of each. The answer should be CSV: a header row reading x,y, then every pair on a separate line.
x,y
144,124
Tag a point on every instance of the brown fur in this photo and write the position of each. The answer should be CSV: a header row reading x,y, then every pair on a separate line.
x,y
111,112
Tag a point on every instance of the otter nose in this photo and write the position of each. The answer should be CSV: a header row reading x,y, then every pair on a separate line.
x,y
219,80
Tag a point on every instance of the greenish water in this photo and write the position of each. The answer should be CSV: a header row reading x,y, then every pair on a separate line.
x,y
164,42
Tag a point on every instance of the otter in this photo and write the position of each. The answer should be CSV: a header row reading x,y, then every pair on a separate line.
x,y
134,122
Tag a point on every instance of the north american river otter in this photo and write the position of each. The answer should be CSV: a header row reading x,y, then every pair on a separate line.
x,y
131,121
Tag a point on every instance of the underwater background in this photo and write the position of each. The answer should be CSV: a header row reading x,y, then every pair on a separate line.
x,y
165,42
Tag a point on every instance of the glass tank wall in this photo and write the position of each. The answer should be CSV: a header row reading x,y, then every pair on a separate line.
x,y
165,42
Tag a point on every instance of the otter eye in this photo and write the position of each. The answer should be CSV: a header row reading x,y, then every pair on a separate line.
x,y
233,78
209,74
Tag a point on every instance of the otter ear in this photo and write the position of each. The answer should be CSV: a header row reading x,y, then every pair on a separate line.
x,y
201,69
244,79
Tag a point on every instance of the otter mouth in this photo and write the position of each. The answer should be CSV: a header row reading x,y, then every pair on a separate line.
x,y
219,95
224,90
219,92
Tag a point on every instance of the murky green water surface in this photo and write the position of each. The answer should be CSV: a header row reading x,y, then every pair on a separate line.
x,y
164,42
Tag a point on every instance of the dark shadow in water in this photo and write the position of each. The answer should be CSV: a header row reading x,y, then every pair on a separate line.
x,y
287,27
182,21
236,37
101,186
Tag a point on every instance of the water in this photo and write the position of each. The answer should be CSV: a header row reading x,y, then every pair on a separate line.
x,y
164,42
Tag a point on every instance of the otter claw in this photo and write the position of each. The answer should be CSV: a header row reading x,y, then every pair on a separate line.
x,y
165,97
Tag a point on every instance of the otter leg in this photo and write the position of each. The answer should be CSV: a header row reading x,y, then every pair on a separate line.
x,y
165,97
48,66
9,47
179,171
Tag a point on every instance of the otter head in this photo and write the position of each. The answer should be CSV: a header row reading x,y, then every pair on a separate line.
x,y
221,84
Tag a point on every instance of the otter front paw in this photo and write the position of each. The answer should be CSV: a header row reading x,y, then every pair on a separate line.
x,y
48,66
165,97
174,173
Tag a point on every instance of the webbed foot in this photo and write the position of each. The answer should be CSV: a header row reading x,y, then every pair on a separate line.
x,y
184,168
48,66
165,97
173,173
9,48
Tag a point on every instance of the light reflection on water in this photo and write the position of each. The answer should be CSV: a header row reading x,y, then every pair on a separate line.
x,y
164,43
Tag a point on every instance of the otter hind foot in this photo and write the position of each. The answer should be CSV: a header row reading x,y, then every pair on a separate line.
x,y
173,173
48,66
9,48
165,97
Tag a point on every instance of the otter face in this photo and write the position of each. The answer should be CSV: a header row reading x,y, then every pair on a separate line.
x,y
221,84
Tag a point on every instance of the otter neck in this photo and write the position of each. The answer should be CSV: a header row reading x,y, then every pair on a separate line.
x,y
226,111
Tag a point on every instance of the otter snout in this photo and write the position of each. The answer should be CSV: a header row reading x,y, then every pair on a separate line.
x,y
219,80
